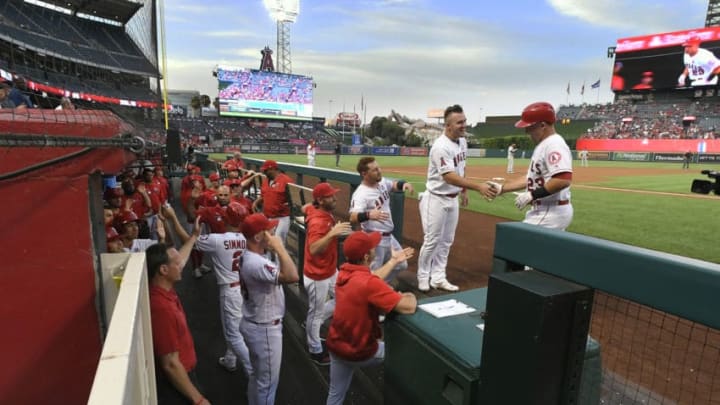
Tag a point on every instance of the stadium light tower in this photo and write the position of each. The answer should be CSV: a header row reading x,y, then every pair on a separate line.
x,y
284,12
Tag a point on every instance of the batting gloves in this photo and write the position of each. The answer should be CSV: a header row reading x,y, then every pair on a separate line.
x,y
523,199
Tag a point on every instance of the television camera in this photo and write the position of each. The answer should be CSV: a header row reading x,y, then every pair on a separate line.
x,y
706,186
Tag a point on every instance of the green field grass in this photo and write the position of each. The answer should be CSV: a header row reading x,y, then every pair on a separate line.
x,y
674,224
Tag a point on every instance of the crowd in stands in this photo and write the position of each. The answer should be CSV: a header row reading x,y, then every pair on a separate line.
x,y
72,37
266,86
648,120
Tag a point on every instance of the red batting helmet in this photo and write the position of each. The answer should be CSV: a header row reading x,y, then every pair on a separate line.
x,y
692,40
235,214
536,112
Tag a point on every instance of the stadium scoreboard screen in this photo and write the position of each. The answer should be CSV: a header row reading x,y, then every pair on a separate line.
x,y
262,94
657,61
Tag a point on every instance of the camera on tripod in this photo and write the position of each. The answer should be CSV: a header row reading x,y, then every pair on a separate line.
x,y
706,186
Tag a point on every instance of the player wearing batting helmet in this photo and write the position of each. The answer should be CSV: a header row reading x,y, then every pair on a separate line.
x,y
546,187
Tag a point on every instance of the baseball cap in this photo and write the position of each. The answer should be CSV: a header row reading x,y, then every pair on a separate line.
x,y
113,192
269,164
256,223
359,243
692,40
111,234
214,177
231,167
323,190
125,217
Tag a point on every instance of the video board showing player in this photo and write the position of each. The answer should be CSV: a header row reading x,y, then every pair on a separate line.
x,y
674,60
262,94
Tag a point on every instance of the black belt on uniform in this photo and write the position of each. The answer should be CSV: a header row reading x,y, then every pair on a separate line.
x,y
453,195
557,202
383,233
271,323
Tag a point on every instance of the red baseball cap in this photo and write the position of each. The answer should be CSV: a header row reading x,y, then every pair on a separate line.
x,y
269,164
256,223
125,217
360,243
113,192
231,167
692,40
111,234
214,177
323,190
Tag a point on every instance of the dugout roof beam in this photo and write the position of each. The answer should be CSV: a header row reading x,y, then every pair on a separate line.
x,y
712,19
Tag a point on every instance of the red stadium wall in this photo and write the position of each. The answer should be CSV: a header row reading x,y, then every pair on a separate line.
x,y
649,145
51,331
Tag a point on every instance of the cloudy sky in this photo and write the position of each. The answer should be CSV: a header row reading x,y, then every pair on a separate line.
x,y
492,58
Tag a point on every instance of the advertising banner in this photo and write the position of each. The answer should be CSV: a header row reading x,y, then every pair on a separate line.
x,y
708,158
385,150
408,151
669,157
631,156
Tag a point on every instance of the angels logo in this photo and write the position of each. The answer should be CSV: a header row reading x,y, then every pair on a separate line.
x,y
442,161
554,158
270,268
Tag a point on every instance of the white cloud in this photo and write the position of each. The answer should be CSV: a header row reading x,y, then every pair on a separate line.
x,y
635,16
228,34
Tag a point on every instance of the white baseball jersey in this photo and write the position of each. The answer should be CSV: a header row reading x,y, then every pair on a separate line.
x,y
140,245
550,157
701,66
446,156
226,251
310,152
264,297
368,198
511,152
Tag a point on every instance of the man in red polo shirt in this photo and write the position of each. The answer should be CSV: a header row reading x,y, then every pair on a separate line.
x,y
361,296
320,265
172,342
273,197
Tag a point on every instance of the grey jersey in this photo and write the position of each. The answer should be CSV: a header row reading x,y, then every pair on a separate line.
x,y
263,294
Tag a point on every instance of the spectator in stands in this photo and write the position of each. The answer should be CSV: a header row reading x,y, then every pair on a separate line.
x,y
362,296
172,341
65,104
114,241
11,97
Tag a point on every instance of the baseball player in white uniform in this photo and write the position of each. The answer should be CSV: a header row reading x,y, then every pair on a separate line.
x,y
511,158
547,184
439,207
226,251
311,153
370,207
701,65
264,305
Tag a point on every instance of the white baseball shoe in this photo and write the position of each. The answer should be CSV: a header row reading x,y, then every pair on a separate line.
x,y
445,285
424,285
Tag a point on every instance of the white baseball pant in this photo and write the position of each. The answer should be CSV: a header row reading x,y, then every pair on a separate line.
x,y
265,344
283,227
511,165
341,373
321,304
439,216
553,217
230,316
383,253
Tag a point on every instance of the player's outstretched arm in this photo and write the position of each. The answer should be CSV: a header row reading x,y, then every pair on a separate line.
x,y
398,256
288,270
407,304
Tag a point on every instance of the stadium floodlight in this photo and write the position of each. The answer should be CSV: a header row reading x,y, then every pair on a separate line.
x,y
284,13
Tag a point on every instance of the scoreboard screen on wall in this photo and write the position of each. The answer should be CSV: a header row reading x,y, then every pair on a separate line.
x,y
261,94
657,61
